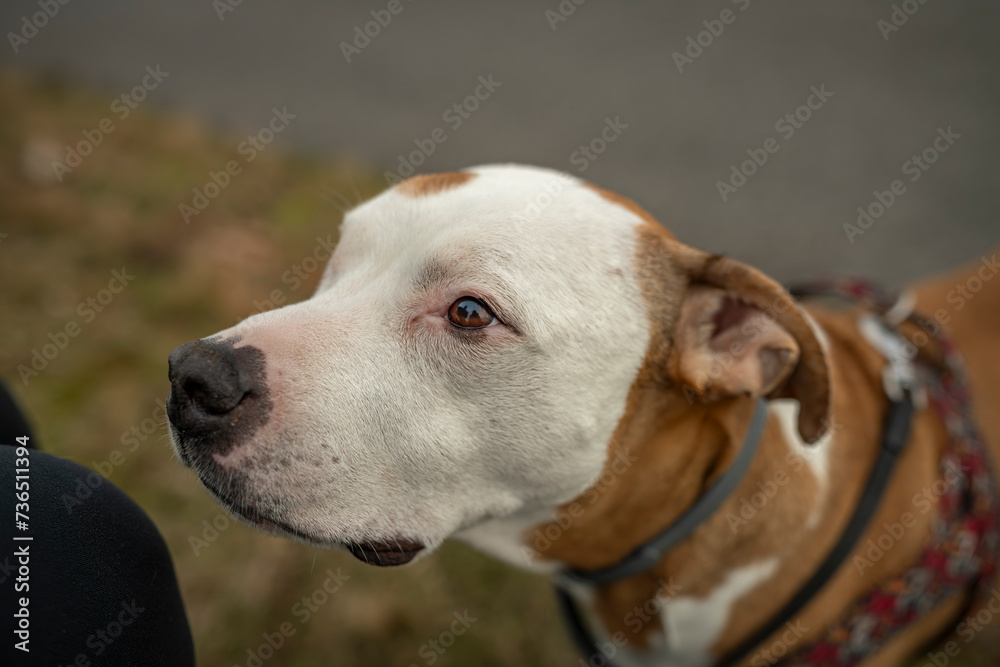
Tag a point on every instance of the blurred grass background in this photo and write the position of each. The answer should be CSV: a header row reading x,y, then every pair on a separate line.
x,y
119,209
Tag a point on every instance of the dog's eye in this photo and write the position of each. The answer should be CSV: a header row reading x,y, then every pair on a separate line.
x,y
470,313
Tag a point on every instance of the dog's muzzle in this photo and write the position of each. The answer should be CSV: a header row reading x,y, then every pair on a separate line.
x,y
218,399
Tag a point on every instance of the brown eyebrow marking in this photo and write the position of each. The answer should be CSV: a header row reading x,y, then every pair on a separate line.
x,y
429,184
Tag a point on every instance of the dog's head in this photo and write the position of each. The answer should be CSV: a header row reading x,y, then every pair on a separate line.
x,y
469,354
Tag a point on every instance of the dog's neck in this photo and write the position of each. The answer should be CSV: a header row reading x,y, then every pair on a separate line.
x,y
750,557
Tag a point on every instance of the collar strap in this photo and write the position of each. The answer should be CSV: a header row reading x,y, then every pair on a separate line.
x,y
651,552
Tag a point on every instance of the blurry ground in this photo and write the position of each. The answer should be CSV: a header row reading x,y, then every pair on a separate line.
x,y
60,243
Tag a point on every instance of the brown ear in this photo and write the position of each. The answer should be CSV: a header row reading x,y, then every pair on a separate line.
x,y
740,333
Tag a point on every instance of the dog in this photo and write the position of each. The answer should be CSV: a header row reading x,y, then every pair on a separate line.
x,y
517,359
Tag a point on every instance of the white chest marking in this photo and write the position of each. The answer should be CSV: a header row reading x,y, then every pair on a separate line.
x,y
693,625
507,540
816,455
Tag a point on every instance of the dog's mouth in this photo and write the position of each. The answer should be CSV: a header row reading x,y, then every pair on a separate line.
x,y
385,554
398,551
255,517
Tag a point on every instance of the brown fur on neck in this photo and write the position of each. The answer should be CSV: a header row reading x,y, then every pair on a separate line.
x,y
679,448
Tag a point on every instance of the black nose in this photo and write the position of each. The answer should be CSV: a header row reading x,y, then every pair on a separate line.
x,y
218,395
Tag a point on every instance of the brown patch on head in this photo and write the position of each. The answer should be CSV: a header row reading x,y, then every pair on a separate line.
x,y
627,203
429,184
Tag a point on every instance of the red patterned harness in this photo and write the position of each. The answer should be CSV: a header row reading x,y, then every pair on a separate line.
x,y
961,554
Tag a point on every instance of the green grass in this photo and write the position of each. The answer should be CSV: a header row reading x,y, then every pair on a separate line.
x,y
119,209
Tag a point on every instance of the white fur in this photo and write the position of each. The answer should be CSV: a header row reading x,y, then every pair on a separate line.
x,y
385,424
693,625
816,455
508,539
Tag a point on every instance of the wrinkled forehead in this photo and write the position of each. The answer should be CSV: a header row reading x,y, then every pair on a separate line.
x,y
514,220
